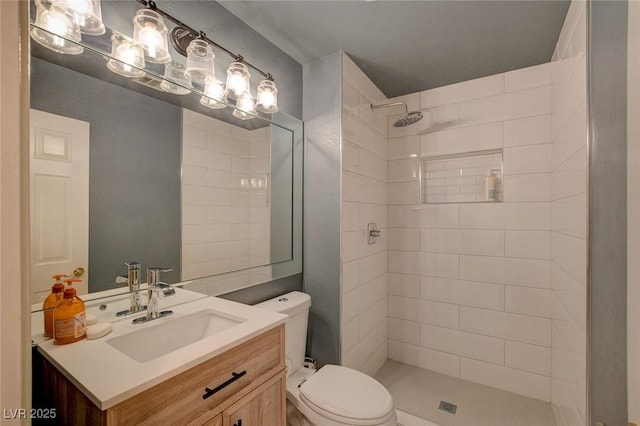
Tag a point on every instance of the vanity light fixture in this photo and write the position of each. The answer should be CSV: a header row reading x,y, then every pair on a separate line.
x,y
127,56
245,107
59,24
56,28
214,96
88,14
150,30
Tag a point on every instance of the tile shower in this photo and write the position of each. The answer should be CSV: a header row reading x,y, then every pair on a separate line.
x,y
490,292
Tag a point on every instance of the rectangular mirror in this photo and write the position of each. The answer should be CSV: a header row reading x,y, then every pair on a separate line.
x,y
121,171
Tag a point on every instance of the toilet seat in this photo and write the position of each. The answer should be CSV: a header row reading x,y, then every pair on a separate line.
x,y
347,396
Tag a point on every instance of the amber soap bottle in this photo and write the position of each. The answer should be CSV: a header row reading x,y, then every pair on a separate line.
x,y
52,300
69,317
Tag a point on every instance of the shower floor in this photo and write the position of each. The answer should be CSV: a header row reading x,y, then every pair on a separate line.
x,y
418,392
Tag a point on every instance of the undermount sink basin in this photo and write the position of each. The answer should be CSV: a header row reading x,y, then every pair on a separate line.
x,y
172,333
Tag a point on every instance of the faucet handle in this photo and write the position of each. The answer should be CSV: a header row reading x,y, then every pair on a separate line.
x,y
132,265
153,274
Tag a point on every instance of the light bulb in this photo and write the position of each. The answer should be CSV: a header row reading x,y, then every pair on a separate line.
x,y
245,107
87,13
56,29
83,7
128,56
238,80
214,95
267,101
150,39
150,30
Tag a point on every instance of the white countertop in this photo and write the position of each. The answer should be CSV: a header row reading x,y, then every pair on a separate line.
x,y
107,376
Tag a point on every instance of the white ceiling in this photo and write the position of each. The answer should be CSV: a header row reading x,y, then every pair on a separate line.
x,y
410,46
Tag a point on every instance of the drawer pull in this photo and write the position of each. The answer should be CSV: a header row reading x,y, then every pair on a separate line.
x,y
239,423
234,376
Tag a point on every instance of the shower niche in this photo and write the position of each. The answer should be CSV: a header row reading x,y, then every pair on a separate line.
x,y
470,177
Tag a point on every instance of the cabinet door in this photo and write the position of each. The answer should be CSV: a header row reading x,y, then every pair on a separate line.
x,y
263,407
216,421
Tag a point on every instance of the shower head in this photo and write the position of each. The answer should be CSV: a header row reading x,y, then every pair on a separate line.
x,y
407,119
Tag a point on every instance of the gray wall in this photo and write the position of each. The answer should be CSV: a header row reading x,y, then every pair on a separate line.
x,y
608,211
322,88
135,160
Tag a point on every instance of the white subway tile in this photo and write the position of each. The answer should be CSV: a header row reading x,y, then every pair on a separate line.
x,y
460,92
404,193
440,362
357,78
528,301
463,241
527,188
526,78
440,314
569,215
527,159
404,217
377,214
404,262
521,216
528,244
528,131
351,157
502,270
465,139
373,266
404,285
440,265
350,97
412,101
520,328
404,147
404,239
404,331
570,178
404,352
404,170
404,308
350,275
457,342
350,335
194,136
372,317
523,103
467,293
350,216
440,216
532,358
194,253
353,303
516,381
374,166
570,253
194,215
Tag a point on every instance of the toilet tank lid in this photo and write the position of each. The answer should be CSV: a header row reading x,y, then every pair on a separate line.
x,y
289,304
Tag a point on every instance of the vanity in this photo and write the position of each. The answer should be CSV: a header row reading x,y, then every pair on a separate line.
x,y
212,361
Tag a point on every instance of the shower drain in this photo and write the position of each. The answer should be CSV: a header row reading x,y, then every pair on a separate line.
x,y
448,407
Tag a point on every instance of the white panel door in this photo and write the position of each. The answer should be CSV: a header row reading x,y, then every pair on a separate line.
x,y
59,188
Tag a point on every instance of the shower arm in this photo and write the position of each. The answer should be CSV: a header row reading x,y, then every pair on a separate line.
x,y
389,105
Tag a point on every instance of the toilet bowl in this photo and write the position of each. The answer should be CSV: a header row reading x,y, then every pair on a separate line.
x,y
333,395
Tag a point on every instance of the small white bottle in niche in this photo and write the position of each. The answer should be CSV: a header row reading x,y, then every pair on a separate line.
x,y
491,186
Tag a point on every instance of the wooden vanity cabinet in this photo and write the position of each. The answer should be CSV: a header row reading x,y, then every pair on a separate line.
x,y
243,386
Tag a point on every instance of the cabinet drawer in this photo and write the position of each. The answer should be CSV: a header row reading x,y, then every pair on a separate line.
x,y
266,406
179,400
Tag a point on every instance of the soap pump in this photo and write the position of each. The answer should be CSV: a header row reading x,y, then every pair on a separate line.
x,y
52,300
69,317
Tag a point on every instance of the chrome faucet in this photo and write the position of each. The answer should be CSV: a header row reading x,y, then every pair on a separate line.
x,y
155,287
133,280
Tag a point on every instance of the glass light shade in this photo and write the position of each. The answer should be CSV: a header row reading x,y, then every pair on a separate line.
x,y
214,97
245,107
267,99
174,73
127,56
88,14
200,61
58,30
238,80
150,30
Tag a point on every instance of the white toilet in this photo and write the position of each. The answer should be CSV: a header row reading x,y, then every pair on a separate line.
x,y
333,395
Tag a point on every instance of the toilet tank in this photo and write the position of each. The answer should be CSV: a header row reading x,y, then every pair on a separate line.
x,y
296,305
